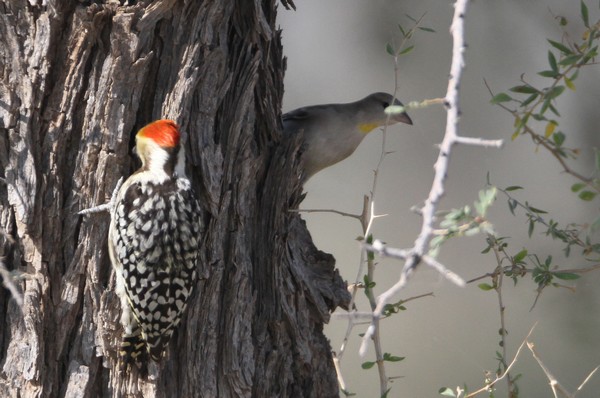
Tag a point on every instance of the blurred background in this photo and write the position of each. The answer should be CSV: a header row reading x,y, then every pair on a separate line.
x,y
336,53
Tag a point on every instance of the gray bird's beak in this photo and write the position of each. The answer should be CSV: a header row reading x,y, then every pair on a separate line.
x,y
402,118
397,115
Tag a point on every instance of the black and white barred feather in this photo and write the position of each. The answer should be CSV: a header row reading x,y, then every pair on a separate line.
x,y
154,241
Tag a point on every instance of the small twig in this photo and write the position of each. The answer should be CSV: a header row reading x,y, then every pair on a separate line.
x,y
539,140
7,281
402,254
361,316
583,270
533,215
498,287
341,213
480,142
509,367
106,206
587,378
7,236
338,371
554,383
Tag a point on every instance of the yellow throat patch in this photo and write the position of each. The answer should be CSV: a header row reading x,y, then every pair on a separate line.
x,y
367,127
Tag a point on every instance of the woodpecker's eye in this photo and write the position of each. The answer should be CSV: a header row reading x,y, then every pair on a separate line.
x,y
385,105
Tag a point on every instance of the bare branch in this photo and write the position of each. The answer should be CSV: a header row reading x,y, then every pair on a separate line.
x,y
106,206
554,383
7,281
341,213
403,254
480,142
506,372
588,378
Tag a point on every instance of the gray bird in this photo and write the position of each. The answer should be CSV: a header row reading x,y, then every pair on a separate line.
x,y
332,132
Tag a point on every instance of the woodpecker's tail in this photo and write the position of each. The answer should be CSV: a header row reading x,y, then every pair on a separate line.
x,y
133,351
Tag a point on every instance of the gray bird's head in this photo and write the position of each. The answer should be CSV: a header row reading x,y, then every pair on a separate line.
x,y
332,132
372,112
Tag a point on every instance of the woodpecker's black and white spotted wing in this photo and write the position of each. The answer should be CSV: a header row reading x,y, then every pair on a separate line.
x,y
154,244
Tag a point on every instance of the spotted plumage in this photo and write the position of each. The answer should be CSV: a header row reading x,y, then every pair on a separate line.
x,y
154,241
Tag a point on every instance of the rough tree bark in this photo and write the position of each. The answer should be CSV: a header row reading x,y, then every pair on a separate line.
x,y
77,80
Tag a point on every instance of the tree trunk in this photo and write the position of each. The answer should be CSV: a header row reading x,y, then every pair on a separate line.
x,y
77,80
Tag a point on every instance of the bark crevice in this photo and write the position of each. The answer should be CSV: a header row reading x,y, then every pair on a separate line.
x,y
77,79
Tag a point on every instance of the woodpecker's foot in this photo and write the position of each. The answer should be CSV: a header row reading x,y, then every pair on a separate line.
x,y
107,206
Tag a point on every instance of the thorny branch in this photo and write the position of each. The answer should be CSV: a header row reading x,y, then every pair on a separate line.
x,y
554,383
451,137
488,386
367,218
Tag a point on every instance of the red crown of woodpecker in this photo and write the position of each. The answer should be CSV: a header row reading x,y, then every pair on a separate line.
x,y
164,132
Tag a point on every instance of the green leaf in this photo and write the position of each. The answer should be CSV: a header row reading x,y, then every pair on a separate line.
x,y
545,106
552,62
574,75
426,29
529,99
513,188
523,89
570,60
536,210
569,83
596,227
558,138
402,30
585,15
577,186
554,92
411,18
587,195
500,97
550,128
520,256
367,365
560,47
566,276
446,392
390,49
589,55
512,205
392,358
549,73
485,287
531,227
406,50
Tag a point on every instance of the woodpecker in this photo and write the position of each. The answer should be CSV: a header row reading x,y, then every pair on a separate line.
x,y
153,242
332,132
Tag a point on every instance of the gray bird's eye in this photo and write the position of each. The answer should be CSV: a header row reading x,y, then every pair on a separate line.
x,y
385,105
